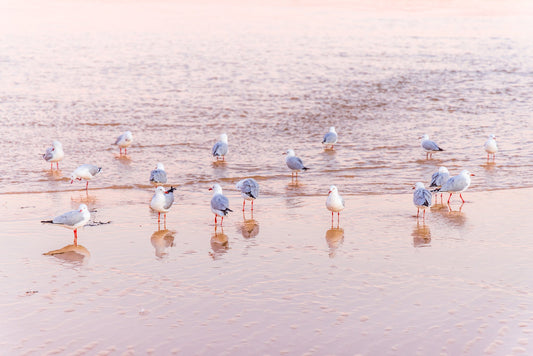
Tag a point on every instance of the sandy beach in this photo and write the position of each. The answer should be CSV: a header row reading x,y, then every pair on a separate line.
x,y
284,282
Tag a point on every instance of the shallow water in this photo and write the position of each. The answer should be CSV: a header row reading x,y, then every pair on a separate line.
x,y
272,78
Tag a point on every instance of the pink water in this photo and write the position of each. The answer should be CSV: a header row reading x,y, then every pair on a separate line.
x,y
272,77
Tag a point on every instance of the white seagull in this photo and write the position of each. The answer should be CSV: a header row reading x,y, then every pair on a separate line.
x,y
220,149
124,141
219,203
158,175
85,171
421,198
330,138
162,201
491,147
294,163
54,154
72,220
334,203
429,146
249,190
439,178
457,184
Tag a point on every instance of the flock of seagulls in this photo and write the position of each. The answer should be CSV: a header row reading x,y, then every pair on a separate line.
x,y
441,180
162,199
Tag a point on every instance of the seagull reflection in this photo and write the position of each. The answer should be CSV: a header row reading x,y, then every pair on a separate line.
x,y
421,235
162,240
85,198
123,159
76,254
334,239
249,228
454,217
219,243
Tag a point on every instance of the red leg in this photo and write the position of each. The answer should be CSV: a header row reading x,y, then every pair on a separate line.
x,y
332,218
125,151
243,203
338,218
222,220
424,215
461,197
223,158
252,205
57,165
449,198
158,217
87,185
75,237
215,219
51,166
417,211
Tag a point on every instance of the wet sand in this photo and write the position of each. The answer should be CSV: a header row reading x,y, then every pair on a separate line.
x,y
284,282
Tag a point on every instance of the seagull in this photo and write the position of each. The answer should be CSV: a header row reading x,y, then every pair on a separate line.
x,y
456,184
72,220
220,149
54,154
249,190
219,203
439,178
421,198
294,163
429,146
158,175
85,171
491,147
124,141
162,201
334,203
330,138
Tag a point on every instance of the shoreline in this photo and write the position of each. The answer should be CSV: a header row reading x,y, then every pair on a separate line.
x,y
458,281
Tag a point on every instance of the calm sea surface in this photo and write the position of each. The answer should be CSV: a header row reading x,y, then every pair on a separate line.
x,y
272,78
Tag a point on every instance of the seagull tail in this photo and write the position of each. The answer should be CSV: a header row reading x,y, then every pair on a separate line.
x,y
171,189
435,190
305,169
47,221
440,149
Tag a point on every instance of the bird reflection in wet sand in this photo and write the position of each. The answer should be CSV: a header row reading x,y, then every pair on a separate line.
x,y
71,253
219,243
249,228
453,216
421,235
162,240
334,239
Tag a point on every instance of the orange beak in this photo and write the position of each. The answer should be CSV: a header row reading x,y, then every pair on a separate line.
x,y
71,181
329,192
210,189
472,174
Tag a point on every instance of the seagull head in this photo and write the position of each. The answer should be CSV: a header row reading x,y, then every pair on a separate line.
x,y
56,144
82,208
419,185
289,153
332,129
160,166
443,170
128,135
332,189
424,137
223,138
466,172
492,136
160,190
216,188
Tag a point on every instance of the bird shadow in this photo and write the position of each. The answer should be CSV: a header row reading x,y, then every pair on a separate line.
x,y
219,243
334,239
421,235
74,254
162,240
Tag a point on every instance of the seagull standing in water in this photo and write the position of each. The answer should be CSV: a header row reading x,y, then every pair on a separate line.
x,y
439,178
334,203
220,149
294,163
54,154
72,220
219,203
457,184
421,198
158,175
162,201
124,141
491,147
85,171
429,146
330,138
249,190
